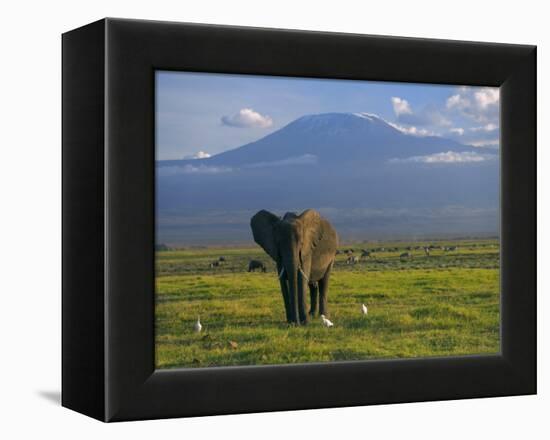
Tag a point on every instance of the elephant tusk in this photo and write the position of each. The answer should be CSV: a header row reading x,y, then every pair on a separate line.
x,y
304,275
281,273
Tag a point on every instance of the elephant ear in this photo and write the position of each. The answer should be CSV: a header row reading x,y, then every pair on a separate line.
x,y
262,224
311,221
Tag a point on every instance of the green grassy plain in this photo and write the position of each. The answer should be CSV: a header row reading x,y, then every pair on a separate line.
x,y
438,305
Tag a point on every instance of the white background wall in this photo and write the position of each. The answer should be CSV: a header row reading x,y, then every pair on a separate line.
x,y
30,185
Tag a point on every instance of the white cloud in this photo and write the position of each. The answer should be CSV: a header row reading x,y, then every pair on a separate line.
x,y
486,135
487,96
247,117
457,101
305,159
191,169
197,155
480,104
485,143
430,115
401,106
415,131
458,131
449,157
488,127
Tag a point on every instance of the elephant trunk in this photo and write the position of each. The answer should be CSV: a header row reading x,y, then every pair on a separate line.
x,y
303,281
293,288
291,266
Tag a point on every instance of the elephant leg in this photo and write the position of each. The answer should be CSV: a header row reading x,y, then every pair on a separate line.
x,y
286,296
323,291
302,283
293,295
313,295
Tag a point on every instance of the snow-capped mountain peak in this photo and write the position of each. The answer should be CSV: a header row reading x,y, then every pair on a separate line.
x,y
334,138
369,116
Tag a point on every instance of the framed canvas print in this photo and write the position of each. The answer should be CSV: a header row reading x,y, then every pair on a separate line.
x,y
261,220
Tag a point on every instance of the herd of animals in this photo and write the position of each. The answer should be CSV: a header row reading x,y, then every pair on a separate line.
x,y
370,253
257,265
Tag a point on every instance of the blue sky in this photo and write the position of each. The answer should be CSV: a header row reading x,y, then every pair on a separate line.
x,y
201,114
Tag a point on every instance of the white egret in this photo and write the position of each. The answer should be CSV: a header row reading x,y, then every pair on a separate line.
x,y
198,326
326,322
364,309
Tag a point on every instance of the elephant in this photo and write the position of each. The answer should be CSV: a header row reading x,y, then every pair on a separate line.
x,y
304,249
255,264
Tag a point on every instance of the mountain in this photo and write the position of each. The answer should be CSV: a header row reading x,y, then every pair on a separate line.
x,y
344,137
365,175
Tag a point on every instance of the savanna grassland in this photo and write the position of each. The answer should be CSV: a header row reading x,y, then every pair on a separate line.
x,y
445,303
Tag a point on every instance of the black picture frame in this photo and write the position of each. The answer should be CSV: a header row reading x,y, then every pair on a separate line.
x,y
108,219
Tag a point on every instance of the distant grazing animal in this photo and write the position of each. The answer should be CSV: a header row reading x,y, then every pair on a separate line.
x,y
365,253
256,264
327,323
352,259
364,309
349,252
405,255
338,252
427,251
221,259
214,264
198,326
